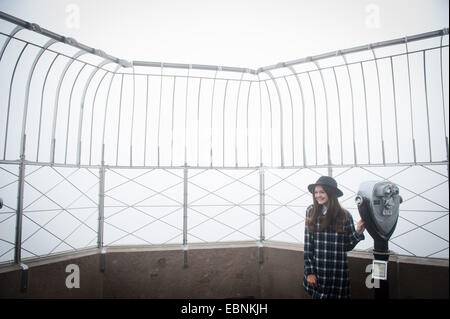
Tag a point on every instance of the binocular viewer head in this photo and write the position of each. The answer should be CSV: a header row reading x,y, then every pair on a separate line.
x,y
378,205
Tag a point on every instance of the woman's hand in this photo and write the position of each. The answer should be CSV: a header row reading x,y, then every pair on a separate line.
x,y
360,227
312,280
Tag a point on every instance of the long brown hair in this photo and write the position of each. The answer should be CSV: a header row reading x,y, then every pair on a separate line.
x,y
335,216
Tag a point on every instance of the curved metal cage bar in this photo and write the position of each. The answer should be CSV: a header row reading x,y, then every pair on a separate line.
x,y
70,110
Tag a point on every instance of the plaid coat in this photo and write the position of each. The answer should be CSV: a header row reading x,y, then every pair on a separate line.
x,y
325,256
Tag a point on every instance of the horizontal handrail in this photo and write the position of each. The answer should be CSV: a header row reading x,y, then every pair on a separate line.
x,y
125,63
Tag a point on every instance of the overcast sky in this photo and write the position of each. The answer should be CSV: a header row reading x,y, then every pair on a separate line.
x,y
241,33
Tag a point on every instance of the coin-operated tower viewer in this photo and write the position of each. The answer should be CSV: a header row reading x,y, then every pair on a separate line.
x,y
378,205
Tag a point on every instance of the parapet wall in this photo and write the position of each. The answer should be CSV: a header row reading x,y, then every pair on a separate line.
x,y
230,270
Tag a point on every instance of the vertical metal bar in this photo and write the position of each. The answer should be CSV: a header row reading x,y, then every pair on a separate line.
x,y
236,124
281,117
68,113
146,120
132,116
186,115
23,277
261,215
248,101
395,110
223,124
106,110
92,115
22,147
353,109
366,111
185,216
118,124
326,117
19,212
340,115
101,203
101,200
315,114
173,117
211,126
9,99
198,121
442,95
426,101
42,106
291,68
410,101
159,112
379,105
292,119
443,109
80,121
102,269
27,89
55,112
271,124
260,122
8,39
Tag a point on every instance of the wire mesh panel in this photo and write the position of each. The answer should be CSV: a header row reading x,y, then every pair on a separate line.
x,y
223,205
143,207
60,210
8,190
96,150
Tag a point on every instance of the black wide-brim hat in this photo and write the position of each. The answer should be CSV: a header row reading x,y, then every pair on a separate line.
x,y
326,181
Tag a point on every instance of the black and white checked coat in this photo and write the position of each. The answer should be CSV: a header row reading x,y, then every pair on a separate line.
x,y
325,256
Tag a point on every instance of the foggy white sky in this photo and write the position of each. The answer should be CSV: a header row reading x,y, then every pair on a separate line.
x,y
241,33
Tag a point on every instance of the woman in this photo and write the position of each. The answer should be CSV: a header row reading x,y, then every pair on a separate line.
x,y
329,234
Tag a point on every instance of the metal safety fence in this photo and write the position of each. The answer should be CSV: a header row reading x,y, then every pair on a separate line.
x,y
96,151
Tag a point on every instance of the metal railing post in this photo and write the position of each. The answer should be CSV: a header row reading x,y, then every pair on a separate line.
x,y
19,215
185,206
261,215
101,202
19,212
